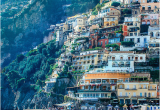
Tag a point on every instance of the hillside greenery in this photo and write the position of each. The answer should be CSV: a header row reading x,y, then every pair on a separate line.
x,y
33,68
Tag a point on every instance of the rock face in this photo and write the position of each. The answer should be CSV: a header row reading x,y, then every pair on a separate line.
x,y
12,99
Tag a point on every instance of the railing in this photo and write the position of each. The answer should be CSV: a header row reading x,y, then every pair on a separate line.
x,y
143,88
121,88
151,89
138,96
123,96
130,89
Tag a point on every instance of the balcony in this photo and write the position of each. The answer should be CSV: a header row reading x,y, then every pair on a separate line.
x,y
150,89
123,96
130,89
137,96
121,88
143,88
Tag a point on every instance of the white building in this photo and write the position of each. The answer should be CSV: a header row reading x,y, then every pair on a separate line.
x,y
154,31
140,42
60,38
123,60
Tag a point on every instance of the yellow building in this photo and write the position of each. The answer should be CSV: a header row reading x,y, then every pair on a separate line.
x,y
110,21
134,92
83,62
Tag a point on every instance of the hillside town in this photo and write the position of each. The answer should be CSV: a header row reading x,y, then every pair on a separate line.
x,y
112,51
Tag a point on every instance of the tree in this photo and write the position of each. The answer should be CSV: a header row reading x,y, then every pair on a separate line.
x,y
20,57
115,4
126,11
98,7
40,47
13,77
44,51
40,83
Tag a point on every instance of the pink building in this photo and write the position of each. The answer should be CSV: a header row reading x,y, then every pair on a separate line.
x,y
150,19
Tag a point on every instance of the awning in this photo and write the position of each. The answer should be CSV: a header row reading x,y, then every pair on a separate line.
x,y
141,99
63,104
93,85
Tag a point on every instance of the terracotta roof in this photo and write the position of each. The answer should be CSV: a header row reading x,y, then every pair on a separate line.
x,y
122,52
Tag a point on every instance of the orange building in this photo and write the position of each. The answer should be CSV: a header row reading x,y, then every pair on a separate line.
x,y
94,86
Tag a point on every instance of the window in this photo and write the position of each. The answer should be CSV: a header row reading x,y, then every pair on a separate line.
x,y
152,93
101,43
98,43
135,34
131,34
79,27
120,86
127,86
143,7
138,40
105,42
134,94
135,12
134,86
141,94
145,40
121,58
136,58
120,93
128,58
155,23
141,58
145,94
144,86
126,94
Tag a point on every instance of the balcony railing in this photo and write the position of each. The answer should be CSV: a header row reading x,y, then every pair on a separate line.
x,y
143,88
121,88
123,96
151,89
137,96
130,89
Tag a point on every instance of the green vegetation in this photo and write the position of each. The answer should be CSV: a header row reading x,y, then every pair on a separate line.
x,y
98,7
155,75
115,4
96,48
127,11
34,67
127,43
154,62
80,6
120,30
115,46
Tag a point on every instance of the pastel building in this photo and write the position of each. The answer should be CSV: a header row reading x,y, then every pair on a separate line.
x,y
110,21
132,26
149,5
140,43
154,31
123,61
154,47
96,59
94,86
150,19
79,24
135,92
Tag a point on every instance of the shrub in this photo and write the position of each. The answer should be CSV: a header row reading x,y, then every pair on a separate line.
x,y
20,57
115,4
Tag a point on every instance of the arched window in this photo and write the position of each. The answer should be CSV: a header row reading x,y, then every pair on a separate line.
x,y
151,34
155,23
